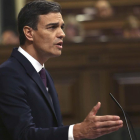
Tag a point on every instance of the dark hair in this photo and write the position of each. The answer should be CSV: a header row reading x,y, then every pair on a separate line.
x,y
29,15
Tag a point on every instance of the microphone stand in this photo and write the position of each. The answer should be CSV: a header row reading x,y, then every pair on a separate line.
x,y
123,114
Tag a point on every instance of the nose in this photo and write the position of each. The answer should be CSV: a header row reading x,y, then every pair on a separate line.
x,y
61,34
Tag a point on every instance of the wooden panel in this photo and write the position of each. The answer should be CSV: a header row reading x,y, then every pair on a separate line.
x,y
5,52
129,87
106,24
88,54
85,74
129,95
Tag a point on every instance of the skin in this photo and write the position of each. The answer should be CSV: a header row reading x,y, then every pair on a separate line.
x,y
95,126
42,44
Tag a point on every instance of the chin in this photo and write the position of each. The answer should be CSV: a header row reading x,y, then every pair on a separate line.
x,y
56,55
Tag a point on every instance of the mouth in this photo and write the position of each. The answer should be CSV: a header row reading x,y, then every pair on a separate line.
x,y
59,45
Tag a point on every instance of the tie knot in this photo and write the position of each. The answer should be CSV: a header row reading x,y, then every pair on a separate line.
x,y
43,76
42,73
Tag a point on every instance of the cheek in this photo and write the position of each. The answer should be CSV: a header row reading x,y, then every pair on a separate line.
x,y
45,39
49,40
47,43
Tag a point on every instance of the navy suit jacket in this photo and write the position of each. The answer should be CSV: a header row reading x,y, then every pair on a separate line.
x,y
26,111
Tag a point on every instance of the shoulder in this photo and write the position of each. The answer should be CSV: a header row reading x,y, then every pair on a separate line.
x,y
11,66
10,72
11,80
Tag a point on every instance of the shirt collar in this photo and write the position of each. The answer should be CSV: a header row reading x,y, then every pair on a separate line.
x,y
33,61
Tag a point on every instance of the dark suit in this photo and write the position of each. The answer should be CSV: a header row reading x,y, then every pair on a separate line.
x,y
26,111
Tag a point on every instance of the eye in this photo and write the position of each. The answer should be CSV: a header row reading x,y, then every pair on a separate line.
x,y
62,27
52,27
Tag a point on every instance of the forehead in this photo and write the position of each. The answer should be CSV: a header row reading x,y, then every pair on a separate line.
x,y
50,18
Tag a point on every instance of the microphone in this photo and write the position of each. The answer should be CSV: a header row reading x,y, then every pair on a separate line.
x,y
123,114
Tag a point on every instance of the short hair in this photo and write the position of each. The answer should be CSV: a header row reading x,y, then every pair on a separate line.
x,y
29,15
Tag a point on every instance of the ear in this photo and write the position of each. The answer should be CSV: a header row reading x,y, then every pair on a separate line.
x,y
28,31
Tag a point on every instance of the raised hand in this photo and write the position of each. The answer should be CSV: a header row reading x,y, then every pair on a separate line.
x,y
95,126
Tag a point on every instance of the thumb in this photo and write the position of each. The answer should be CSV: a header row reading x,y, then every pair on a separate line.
x,y
95,108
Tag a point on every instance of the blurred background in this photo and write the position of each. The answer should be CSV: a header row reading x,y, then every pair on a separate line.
x,y
101,55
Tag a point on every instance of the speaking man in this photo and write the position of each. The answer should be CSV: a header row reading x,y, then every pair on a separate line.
x,y
29,106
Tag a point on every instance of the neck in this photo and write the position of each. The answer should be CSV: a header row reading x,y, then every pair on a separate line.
x,y
29,48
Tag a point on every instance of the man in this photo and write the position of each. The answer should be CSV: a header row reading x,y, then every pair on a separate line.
x,y
29,107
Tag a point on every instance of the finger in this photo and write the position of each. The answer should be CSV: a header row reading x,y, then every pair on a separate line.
x,y
107,118
108,124
103,131
95,109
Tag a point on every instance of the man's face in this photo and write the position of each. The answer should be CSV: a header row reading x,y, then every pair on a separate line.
x,y
48,38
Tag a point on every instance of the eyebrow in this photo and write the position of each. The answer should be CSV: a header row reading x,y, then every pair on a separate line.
x,y
54,24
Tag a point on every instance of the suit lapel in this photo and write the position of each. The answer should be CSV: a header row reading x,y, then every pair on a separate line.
x,y
33,75
54,96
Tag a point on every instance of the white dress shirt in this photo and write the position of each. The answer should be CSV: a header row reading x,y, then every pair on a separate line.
x,y
38,67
